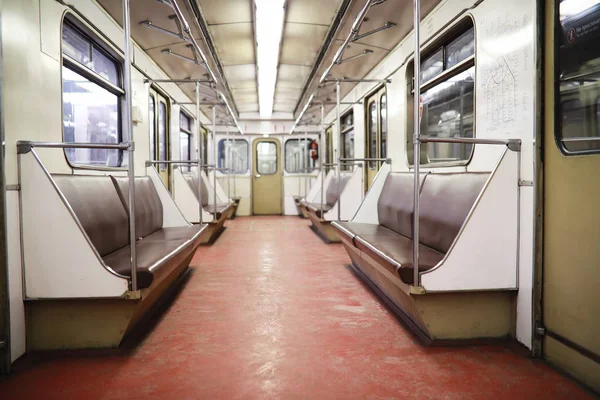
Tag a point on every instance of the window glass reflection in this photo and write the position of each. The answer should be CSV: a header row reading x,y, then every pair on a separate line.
x,y
266,158
90,114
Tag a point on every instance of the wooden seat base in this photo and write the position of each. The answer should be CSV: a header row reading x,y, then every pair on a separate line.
x,y
324,229
302,210
236,204
439,317
95,323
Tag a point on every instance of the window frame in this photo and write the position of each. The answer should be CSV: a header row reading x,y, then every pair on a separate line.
x,y
558,105
221,144
343,132
382,145
285,154
189,135
446,38
96,42
276,159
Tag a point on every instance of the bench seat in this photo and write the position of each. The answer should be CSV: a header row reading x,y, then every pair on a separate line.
x,y
330,198
105,220
318,209
153,259
192,233
99,205
391,249
221,209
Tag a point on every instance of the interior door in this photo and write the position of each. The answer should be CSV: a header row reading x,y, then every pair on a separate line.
x,y
158,119
266,177
376,133
571,225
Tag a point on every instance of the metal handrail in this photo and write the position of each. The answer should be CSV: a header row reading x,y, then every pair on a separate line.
x,y
24,146
153,162
511,144
365,159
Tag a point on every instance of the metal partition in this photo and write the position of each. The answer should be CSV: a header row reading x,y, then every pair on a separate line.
x,y
26,146
353,161
511,144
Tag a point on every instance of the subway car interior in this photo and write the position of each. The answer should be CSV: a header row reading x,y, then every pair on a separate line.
x,y
285,199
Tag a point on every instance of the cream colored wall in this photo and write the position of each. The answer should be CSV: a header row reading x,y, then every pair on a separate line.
x,y
509,35
32,102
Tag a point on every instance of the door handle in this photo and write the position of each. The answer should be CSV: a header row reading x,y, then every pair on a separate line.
x,y
257,176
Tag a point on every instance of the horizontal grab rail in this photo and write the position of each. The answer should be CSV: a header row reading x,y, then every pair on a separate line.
x,y
365,159
25,146
152,162
513,144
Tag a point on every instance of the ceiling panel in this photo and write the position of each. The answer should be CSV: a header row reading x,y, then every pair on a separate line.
x,y
241,76
287,93
226,12
301,43
292,73
319,12
234,43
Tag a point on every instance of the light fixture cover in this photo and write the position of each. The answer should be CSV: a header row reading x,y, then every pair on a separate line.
x,y
269,28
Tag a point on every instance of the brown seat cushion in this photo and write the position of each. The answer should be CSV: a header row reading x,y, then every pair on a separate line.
x,y
192,233
220,209
148,207
154,258
400,249
395,204
331,194
98,207
353,229
445,202
316,208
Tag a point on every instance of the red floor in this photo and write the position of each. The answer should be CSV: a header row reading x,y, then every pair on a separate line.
x,y
272,312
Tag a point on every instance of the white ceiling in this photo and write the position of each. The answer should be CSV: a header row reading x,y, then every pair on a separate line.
x,y
230,25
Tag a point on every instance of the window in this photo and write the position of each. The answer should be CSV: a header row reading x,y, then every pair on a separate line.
x,y
91,95
448,95
347,138
383,122
372,133
329,145
185,140
162,134
204,134
233,154
578,95
266,158
297,155
152,123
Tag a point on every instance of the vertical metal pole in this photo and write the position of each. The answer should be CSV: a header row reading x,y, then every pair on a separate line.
x,y
339,167
228,162
323,157
215,156
235,164
200,151
305,158
416,140
129,134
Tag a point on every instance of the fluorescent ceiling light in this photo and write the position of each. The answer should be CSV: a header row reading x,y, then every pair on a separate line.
x,y
269,28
